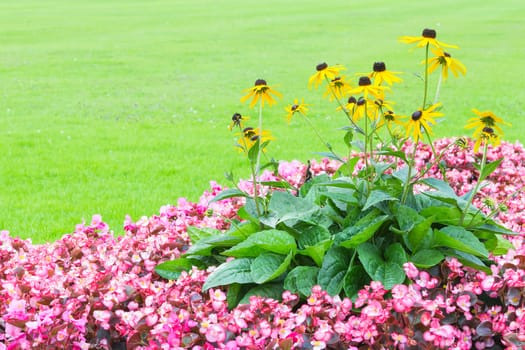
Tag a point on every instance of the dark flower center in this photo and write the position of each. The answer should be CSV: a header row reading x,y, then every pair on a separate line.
x,y
236,117
254,138
248,132
379,67
488,130
364,81
361,101
389,115
446,54
416,115
379,102
321,66
294,108
259,82
352,99
429,33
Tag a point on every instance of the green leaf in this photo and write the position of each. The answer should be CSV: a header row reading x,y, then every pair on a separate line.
x,y
243,229
362,231
469,260
498,245
234,295
376,197
278,184
427,258
407,217
390,271
443,214
205,245
355,279
269,266
493,228
458,238
421,236
393,153
348,167
196,233
275,241
489,169
333,270
330,155
317,251
287,207
267,290
233,271
310,235
301,280
172,269
228,193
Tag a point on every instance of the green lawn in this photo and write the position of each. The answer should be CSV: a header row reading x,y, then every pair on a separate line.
x,y
119,107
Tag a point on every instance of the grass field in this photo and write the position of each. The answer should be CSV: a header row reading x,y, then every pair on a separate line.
x,y
119,107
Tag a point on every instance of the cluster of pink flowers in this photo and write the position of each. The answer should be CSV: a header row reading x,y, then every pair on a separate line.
x,y
92,290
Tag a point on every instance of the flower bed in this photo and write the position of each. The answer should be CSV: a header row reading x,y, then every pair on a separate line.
x,y
91,289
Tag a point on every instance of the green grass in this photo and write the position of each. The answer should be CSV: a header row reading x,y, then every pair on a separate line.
x,y
120,107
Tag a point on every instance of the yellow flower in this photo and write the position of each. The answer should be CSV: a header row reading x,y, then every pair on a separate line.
x,y
381,74
350,105
365,87
363,105
428,37
260,92
487,135
237,120
249,137
486,119
388,118
446,61
324,72
338,88
296,107
421,119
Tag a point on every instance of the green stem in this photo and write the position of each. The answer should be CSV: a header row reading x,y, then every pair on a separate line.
x,y
410,167
341,105
438,88
478,184
255,170
426,78
317,133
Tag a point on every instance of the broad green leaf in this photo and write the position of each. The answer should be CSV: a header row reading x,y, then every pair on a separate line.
x,y
228,193
198,233
493,228
333,270
401,174
269,266
498,245
362,231
233,271
376,197
287,207
489,169
234,294
421,236
347,168
311,185
355,279
427,258
458,238
393,153
443,214
205,245
301,280
278,184
310,235
172,269
407,217
275,241
317,251
390,271
243,229
345,195
267,290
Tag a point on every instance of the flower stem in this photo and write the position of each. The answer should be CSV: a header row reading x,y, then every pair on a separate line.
x,y
318,135
438,89
255,171
410,166
478,184
426,78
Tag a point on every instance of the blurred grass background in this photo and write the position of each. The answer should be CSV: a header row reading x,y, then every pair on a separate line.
x,y
119,107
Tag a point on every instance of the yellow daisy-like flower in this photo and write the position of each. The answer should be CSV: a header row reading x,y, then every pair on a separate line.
x,y
388,118
365,88
486,135
260,92
249,137
349,106
446,62
338,88
238,121
363,105
296,107
324,72
380,74
421,119
428,37
486,119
